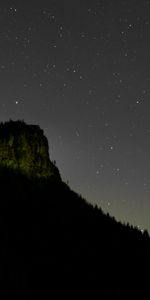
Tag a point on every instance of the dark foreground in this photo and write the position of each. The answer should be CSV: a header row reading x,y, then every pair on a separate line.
x,y
53,244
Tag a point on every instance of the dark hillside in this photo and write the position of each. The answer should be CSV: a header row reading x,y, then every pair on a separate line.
x,y
51,239
54,244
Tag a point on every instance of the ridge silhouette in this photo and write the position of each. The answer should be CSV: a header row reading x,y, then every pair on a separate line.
x,y
53,243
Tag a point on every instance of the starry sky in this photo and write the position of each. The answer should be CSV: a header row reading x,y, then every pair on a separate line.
x,y
81,70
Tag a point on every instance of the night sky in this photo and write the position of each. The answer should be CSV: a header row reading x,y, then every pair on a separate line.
x,y
81,70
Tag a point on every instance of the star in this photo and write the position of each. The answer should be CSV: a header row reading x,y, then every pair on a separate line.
x,y
82,71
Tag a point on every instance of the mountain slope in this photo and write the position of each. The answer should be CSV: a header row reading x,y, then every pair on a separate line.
x,y
54,244
52,240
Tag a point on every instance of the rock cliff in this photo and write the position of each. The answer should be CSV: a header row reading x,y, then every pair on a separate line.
x,y
24,148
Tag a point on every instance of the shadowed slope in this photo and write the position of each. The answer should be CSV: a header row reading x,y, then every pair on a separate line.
x,y
54,244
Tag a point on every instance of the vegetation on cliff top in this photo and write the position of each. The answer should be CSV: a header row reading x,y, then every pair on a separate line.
x,y
24,147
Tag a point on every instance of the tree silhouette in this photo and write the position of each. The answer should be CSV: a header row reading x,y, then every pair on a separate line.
x,y
52,240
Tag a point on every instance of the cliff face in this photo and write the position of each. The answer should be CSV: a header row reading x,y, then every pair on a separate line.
x,y
25,148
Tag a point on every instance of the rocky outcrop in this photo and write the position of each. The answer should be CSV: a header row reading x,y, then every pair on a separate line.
x,y
24,148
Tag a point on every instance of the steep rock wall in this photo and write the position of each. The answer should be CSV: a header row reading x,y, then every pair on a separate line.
x,y
25,148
